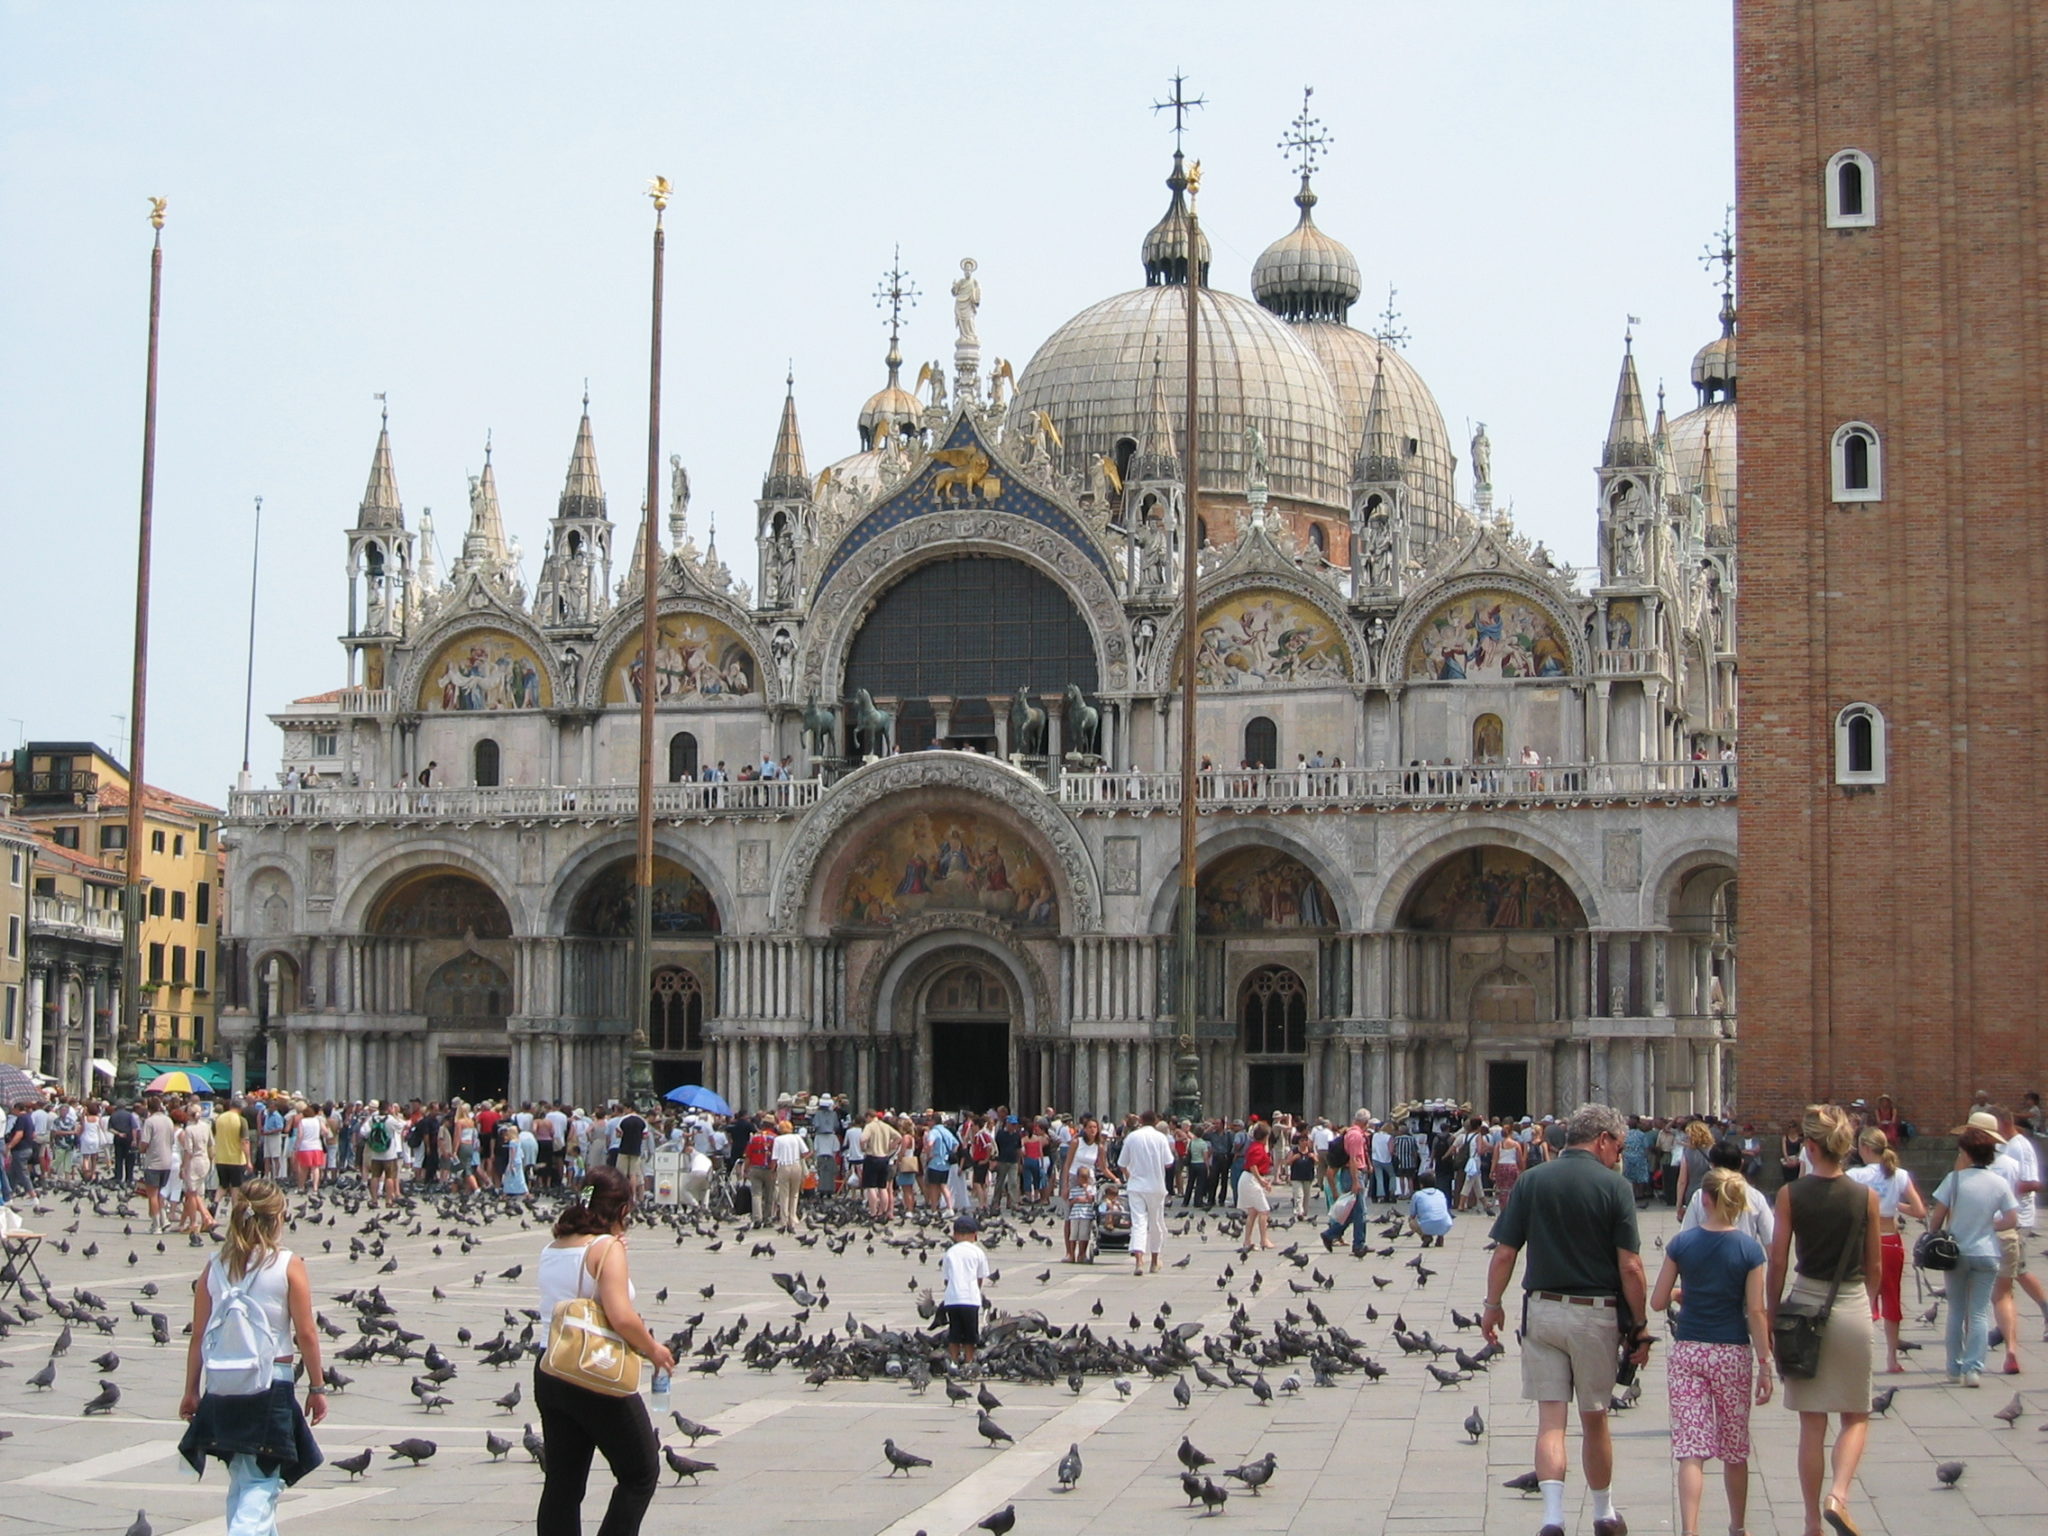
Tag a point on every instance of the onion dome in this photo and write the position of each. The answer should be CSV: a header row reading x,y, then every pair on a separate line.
x,y
1169,241
1713,366
891,403
1714,420
1306,275
1356,363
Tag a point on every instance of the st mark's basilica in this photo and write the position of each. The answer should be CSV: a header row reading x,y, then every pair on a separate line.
x,y
1467,816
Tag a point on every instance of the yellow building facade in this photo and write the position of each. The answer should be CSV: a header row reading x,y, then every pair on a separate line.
x,y
75,795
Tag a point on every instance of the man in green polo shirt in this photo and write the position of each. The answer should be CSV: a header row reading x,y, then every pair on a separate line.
x,y
1577,1217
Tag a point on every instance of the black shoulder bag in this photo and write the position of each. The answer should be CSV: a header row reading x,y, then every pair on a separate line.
x,y
1796,1334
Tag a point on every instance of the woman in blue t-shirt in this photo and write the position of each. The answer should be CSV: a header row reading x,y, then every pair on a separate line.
x,y
1721,1354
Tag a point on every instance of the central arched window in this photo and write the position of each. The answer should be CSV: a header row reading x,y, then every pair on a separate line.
x,y
485,763
675,1011
969,629
1274,1009
468,990
1261,743
682,758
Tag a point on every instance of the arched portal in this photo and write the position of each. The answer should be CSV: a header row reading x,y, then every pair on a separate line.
x,y
966,1014
963,631
675,1027
1272,1010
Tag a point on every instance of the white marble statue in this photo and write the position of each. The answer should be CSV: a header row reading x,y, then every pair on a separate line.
x,y
966,300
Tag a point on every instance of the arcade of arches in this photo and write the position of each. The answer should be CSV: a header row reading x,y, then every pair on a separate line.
x,y
945,975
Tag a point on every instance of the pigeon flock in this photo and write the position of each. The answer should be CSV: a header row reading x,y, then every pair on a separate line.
x,y
400,1291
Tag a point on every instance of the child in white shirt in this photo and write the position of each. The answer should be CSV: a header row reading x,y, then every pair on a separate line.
x,y
966,1267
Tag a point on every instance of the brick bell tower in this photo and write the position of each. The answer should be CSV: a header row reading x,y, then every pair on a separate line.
x,y
1894,547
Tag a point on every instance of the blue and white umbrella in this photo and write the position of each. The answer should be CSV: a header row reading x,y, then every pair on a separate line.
x,y
695,1096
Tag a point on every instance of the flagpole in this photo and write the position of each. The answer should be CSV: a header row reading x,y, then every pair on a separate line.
x,y
249,676
128,1028
640,1061
1187,1073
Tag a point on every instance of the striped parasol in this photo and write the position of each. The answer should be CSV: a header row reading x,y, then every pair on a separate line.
x,y
178,1082
17,1087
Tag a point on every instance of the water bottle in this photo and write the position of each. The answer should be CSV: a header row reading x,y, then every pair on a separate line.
x,y
659,1390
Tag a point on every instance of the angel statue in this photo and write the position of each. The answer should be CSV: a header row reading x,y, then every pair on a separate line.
x,y
966,300
935,376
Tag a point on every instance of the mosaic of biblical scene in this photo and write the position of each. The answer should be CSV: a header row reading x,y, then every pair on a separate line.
x,y
484,672
1489,888
1624,623
442,906
1488,635
695,659
681,904
1267,640
946,861
1254,889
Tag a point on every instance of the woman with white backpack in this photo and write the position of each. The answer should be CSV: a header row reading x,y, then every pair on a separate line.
x,y
251,1301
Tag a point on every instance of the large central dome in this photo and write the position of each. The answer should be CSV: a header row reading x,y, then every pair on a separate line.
x,y
1093,377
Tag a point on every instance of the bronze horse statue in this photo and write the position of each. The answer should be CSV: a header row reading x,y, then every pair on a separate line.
x,y
821,729
1027,726
874,730
1084,723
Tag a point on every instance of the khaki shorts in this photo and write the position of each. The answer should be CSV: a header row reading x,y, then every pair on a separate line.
x,y
1569,1352
2012,1254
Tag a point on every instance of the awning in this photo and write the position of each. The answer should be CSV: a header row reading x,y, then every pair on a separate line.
x,y
102,1066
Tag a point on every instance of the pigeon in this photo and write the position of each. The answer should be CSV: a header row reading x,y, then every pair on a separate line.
x,y
141,1527
1070,1467
1949,1473
691,1428
46,1377
1213,1497
683,1466
510,1400
999,1523
513,1273
110,1394
1475,1426
497,1445
2010,1412
901,1460
990,1430
1191,1458
1123,1386
1445,1378
355,1466
412,1450
63,1344
107,1364
1181,1394
535,1446
988,1399
1881,1402
1524,1482
1255,1474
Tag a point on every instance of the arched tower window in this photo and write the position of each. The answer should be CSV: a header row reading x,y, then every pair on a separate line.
x,y
1858,463
682,758
1262,743
1851,190
675,1011
1860,745
1274,1010
484,763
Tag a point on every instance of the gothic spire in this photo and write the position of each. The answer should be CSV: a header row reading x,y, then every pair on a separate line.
x,y
787,479
1628,433
1158,457
1379,452
381,508
582,490
1714,511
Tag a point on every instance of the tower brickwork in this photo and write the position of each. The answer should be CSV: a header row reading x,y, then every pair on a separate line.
x,y
1894,816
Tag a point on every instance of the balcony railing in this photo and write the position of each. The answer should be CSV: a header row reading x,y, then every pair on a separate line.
x,y
1630,661
364,701
59,784
340,805
1287,789
66,917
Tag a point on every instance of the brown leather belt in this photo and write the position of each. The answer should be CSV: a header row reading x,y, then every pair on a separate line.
x,y
1574,1301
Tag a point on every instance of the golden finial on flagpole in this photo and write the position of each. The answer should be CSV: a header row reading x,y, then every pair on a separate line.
x,y
156,212
658,189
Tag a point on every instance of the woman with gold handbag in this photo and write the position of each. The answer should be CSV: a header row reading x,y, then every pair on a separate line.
x,y
586,1385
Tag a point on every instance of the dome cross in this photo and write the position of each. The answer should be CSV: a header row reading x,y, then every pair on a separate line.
x,y
1306,139
1179,104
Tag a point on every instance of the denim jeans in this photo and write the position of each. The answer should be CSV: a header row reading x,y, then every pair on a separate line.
x,y
1382,1181
252,1498
1969,1312
1346,1182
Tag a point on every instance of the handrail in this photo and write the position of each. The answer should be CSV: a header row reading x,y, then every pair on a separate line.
x,y
521,802
1416,784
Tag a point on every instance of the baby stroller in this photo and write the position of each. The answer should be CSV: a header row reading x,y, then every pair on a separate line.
x,y
1112,1232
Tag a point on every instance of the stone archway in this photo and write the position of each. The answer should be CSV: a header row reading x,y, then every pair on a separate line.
x,y
967,1018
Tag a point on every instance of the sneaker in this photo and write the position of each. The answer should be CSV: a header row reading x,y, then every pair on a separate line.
x,y
1551,1530
1973,1379
1614,1527
1329,1243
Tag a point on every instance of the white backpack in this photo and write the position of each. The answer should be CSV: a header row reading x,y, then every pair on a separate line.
x,y
239,1349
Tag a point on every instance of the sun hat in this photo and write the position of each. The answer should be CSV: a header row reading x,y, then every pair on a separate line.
x,y
1982,1120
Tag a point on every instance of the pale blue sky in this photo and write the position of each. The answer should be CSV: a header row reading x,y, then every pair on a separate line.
x,y
444,201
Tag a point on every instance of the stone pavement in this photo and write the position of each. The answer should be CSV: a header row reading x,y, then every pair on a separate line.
x,y
1386,1456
